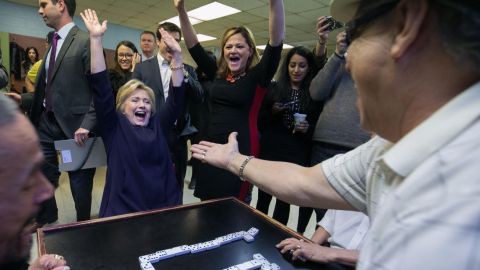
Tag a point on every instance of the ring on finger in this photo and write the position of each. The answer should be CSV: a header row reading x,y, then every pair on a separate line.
x,y
57,257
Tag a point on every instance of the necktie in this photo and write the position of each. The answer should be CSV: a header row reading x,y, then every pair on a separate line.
x,y
51,66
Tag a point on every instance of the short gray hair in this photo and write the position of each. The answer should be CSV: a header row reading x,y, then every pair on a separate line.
x,y
460,28
8,110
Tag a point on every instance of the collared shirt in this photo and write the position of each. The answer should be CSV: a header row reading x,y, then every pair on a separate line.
x,y
347,229
62,33
422,194
166,73
145,58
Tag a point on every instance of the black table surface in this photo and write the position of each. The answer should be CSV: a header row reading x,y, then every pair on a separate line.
x,y
116,243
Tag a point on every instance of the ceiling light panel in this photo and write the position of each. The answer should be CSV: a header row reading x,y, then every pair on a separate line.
x,y
212,11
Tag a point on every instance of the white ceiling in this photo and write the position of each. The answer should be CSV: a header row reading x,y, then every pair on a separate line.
x,y
300,18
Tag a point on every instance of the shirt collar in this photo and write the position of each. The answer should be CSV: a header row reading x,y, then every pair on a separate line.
x,y
63,32
432,134
162,60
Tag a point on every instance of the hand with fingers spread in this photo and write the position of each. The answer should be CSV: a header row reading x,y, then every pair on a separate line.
x,y
219,155
172,44
92,23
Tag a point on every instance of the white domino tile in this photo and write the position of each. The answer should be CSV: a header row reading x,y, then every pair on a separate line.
x,y
258,262
249,236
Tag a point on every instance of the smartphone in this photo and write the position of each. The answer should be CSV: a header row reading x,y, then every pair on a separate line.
x,y
332,23
291,103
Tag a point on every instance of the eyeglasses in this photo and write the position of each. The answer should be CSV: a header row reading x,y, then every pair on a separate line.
x,y
352,27
126,55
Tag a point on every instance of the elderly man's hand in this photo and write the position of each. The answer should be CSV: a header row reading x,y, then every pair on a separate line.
x,y
49,262
219,155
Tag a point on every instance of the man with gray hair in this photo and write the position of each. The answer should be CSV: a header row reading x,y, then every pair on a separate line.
x,y
23,188
415,67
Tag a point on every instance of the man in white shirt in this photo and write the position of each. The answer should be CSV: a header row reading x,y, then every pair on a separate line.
x,y
343,230
415,67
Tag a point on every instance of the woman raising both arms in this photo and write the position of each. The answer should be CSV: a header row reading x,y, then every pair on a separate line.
x,y
140,174
239,82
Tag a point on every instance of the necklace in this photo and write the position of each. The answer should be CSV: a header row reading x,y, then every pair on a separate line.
x,y
233,78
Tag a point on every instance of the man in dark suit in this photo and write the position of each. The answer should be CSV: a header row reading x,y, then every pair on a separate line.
x,y
156,74
61,107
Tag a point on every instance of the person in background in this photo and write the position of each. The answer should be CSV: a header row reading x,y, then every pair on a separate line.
x,y
61,106
23,188
31,58
31,77
126,57
139,170
199,112
282,139
337,130
415,68
3,74
147,45
240,79
338,238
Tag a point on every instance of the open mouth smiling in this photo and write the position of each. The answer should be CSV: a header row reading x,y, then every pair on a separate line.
x,y
140,115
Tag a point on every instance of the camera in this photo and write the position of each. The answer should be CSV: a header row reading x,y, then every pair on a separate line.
x,y
332,23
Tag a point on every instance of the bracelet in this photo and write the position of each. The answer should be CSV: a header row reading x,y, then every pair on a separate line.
x,y
176,68
242,167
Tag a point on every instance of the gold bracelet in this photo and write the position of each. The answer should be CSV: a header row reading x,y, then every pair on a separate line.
x,y
176,68
242,167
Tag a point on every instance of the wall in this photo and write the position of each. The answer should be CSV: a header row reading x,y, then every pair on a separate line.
x,y
24,20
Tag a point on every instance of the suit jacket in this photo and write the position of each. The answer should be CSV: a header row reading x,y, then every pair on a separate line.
x,y
72,97
149,73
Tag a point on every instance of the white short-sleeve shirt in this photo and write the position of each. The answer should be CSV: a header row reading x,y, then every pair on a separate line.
x,y
347,229
422,194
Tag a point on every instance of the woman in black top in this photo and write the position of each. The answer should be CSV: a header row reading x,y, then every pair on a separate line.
x,y
281,138
126,56
31,57
239,83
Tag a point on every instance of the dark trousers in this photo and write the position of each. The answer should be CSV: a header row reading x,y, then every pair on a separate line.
x,y
281,211
180,159
320,152
81,181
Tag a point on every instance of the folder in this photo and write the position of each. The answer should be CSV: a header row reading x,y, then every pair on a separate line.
x,y
72,156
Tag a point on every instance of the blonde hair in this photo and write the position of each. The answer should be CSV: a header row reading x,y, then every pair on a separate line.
x,y
128,88
223,69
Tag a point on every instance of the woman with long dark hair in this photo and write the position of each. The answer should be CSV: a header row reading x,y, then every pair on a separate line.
x,y
31,57
239,80
126,56
282,138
